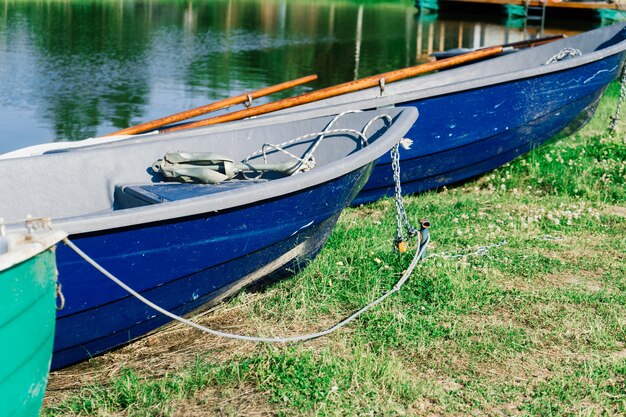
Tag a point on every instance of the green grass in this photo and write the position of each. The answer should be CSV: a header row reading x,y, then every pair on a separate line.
x,y
535,327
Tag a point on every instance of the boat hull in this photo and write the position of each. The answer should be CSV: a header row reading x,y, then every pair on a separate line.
x,y
463,135
27,322
187,263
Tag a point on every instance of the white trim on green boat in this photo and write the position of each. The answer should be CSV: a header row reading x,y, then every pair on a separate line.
x,y
23,246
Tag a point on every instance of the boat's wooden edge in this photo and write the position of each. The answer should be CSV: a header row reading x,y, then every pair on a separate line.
x,y
23,246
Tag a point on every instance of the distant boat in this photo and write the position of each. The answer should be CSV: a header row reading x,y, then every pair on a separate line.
x,y
27,317
480,116
530,8
182,245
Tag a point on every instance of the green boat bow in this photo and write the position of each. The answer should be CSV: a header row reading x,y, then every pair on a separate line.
x,y
27,319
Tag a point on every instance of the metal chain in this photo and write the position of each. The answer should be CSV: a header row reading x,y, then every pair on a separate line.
x,y
401,218
620,101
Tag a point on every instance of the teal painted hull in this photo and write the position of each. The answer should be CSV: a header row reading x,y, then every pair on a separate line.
x,y
27,320
427,6
612,16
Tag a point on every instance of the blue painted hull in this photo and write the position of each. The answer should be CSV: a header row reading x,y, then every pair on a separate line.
x,y
462,135
184,264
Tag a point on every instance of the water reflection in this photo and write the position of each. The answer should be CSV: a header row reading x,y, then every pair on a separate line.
x,y
71,69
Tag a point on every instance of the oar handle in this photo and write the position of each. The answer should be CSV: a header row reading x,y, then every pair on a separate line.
x,y
188,114
344,88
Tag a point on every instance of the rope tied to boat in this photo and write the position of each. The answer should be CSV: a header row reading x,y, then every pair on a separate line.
x,y
419,255
212,168
565,53
307,161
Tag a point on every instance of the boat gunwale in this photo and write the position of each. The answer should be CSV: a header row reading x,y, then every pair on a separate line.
x,y
403,119
397,98
368,95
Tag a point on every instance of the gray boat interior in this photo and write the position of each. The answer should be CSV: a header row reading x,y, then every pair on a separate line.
x,y
84,189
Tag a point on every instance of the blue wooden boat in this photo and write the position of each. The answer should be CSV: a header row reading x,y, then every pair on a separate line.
x,y
477,117
27,316
182,245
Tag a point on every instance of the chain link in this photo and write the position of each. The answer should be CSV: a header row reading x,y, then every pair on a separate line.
x,y
620,101
402,219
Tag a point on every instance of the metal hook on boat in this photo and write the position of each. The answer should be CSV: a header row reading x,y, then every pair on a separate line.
x,y
381,85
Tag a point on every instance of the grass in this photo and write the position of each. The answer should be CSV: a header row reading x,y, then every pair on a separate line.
x,y
535,327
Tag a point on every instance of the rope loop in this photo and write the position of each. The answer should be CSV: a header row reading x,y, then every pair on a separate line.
x,y
565,53
60,297
307,161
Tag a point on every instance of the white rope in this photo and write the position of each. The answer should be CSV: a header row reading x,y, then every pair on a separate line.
x,y
564,53
421,249
307,160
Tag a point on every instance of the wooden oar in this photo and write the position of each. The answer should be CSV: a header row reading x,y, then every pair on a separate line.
x,y
344,88
154,124
529,43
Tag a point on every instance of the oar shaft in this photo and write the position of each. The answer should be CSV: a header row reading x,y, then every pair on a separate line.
x,y
155,124
533,42
344,88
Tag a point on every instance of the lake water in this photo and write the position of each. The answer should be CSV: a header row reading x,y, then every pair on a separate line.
x,y
72,69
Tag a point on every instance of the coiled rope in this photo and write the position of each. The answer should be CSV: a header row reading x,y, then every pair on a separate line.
x,y
565,53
